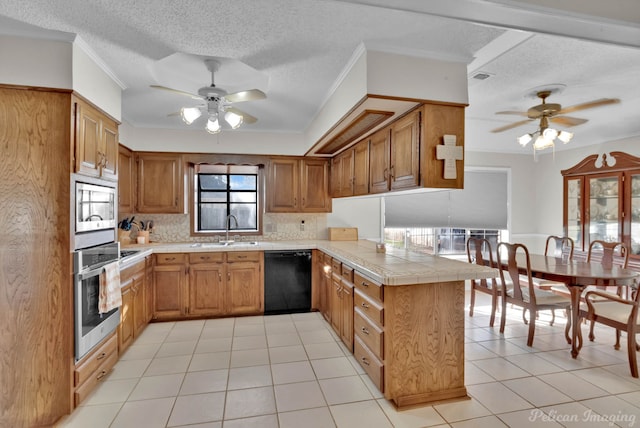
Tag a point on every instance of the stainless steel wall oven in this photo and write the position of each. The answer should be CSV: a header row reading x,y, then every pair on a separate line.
x,y
91,327
94,211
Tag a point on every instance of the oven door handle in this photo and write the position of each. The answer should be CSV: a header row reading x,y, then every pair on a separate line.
x,y
91,273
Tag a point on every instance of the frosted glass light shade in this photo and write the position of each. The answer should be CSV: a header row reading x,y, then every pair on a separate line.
x,y
565,136
213,126
234,120
524,140
189,114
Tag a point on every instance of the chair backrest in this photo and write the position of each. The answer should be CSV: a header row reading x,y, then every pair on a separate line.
x,y
509,252
479,252
557,245
608,252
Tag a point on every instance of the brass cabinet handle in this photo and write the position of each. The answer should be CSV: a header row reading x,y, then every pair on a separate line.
x,y
386,177
102,374
364,284
364,305
170,258
101,356
392,172
365,330
365,361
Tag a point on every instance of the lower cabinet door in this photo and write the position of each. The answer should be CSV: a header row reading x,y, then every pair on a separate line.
x,y
206,289
244,289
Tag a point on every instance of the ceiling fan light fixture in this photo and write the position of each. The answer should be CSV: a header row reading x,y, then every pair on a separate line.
x,y
542,143
550,134
565,136
234,120
213,126
525,139
189,114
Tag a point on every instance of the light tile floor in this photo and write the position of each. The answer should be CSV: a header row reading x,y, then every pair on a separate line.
x,y
293,371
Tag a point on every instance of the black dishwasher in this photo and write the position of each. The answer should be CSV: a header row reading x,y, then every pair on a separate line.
x,y
287,282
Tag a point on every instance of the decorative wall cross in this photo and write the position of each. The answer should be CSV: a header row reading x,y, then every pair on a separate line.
x,y
450,153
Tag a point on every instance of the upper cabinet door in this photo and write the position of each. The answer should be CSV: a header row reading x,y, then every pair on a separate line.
x,y
160,183
283,185
87,140
314,186
405,156
361,168
379,161
96,142
126,181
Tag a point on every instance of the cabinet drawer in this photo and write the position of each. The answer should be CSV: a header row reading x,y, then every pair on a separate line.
x,y
195,258
371,365
243,256
95,377
95,359
347,273
369,333
171,259
369,307
336,266
368,287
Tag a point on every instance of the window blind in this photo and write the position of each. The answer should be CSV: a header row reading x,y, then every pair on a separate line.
x,y
482,204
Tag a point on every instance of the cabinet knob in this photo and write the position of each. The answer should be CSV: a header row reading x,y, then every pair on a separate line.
x,y
364,305
365,361
365,330
101,375
364,284
101,356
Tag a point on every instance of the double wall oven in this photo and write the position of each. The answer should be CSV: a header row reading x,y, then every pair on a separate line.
x,y
94,214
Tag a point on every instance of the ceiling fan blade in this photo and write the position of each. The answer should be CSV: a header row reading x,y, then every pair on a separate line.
x,y
590,104
248,95
177,91
246,117
567,120
519,113
511,126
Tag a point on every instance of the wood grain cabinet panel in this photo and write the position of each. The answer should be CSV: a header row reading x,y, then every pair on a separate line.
x,y
245,289
126,181
160,183
96,142
404,169
206,289
298,185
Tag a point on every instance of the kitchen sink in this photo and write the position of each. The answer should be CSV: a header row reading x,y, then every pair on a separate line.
x,y
225,244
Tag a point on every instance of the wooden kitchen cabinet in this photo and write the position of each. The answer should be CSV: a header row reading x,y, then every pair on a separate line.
x,y
341,302
161,181
94,368
245,283
394,155
133,312
350,171
127,173
602,201
212,284
169,279
96,142
206,284
298,185
148,288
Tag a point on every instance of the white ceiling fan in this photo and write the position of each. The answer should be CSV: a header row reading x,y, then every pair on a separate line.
x,y
217,103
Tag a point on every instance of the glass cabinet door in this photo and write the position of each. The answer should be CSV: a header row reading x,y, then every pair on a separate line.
x,y
604,208
634,209
573,210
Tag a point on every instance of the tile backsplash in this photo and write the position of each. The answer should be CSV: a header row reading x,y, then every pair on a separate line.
x,y
276,227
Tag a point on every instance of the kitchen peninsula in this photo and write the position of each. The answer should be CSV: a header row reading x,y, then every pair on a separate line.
x,y
407,328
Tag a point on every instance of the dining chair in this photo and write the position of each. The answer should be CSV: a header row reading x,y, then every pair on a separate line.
x,y
524,293
479,252
619,313
559,247
612,254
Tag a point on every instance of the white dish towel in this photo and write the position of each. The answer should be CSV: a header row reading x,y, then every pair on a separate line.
x,y
110,293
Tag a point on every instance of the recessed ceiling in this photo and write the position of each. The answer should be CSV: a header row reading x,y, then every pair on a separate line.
x,y
299,48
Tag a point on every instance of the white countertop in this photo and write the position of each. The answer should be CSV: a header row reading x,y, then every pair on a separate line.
x,y
394,267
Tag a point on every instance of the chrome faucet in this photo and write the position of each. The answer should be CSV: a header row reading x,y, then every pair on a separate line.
x,y
228,225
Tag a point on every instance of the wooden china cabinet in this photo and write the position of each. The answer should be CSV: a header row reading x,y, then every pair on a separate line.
x,y
602,201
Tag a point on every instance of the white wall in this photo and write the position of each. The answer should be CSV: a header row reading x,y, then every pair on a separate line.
x,y
199,141
35,62
363,213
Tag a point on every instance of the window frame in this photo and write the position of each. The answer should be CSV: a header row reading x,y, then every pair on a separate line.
x,y
196,170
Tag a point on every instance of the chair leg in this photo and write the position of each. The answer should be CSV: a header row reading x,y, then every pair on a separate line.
x,y
494,303
567,327
592,336
553,317
617,345
524,313
631,349
503,315
532,327
473,301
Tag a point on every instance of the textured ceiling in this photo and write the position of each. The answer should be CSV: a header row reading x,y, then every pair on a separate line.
x,y
295,51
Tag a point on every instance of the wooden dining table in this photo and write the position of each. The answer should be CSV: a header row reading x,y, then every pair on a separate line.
x,y
577,275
